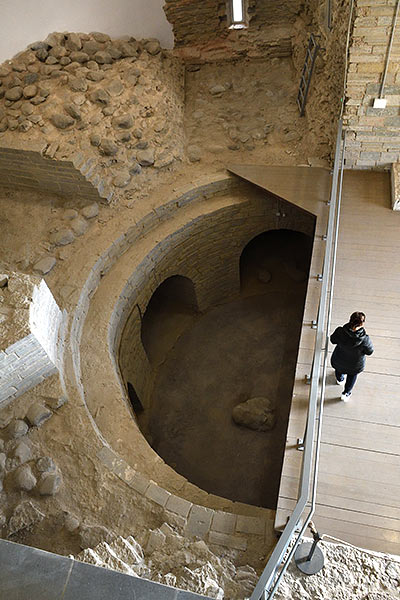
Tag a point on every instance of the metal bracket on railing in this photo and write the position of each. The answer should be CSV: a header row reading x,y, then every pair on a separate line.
x,y
313,324
307,379
300,444
319,277
324,237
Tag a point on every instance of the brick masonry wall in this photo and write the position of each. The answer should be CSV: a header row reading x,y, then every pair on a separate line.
x,y
22,366
373,134
201,29
30,170
207,251
36,356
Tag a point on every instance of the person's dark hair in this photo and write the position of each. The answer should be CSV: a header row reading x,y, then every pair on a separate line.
x,y
357,319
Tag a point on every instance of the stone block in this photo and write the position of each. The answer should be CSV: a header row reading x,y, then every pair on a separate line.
x,y
379,10
17,429
199,521
370,67
391,157
179,506
365,163
224,522
157,494
377,34
369,155
25,515
49,483
38,414
22,452
24,478
176,520
156,541
392,121
252,525
230,541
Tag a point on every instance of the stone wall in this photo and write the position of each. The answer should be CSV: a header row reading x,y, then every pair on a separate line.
x,y
108,295
373,133
23,365
219,528
395,185
201,29
30,358
105,262
112,108
207,251
326,89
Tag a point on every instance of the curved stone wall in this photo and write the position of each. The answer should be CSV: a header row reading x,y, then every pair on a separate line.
x,y
207,251
127,273
136,275
109,294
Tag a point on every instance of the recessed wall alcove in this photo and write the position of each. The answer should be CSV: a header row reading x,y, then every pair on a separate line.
x,y
171,309
217,321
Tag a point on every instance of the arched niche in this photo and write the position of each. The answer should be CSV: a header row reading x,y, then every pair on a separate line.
x,y
279,258
171,308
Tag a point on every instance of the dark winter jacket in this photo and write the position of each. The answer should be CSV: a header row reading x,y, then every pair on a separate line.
x,y
351,348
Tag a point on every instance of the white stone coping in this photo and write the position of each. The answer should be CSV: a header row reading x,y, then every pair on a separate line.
x,y
215,526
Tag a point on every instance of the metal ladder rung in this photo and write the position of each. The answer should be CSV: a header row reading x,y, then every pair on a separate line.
x,y
307,71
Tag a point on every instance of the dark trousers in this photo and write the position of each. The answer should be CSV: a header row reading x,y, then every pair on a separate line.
x,y
350,381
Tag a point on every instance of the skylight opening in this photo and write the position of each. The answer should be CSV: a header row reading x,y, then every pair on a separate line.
x,y
237,11
237,14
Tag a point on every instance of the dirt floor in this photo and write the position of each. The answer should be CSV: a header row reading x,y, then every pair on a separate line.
x,y
239,350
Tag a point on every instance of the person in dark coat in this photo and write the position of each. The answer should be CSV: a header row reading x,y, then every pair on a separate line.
x,y
348,358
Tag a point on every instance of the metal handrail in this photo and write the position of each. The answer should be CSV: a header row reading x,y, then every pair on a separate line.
x,y
280,557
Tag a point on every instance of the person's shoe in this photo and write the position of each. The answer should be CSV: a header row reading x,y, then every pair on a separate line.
x,y
340,381
345,396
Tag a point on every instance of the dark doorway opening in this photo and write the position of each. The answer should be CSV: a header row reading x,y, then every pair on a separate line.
x,y
273,258
171,309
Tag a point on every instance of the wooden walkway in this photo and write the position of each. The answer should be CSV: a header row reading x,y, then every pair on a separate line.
x,y
358,496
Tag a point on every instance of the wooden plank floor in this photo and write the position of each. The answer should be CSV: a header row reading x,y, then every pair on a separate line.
x,y
358,496
359,482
